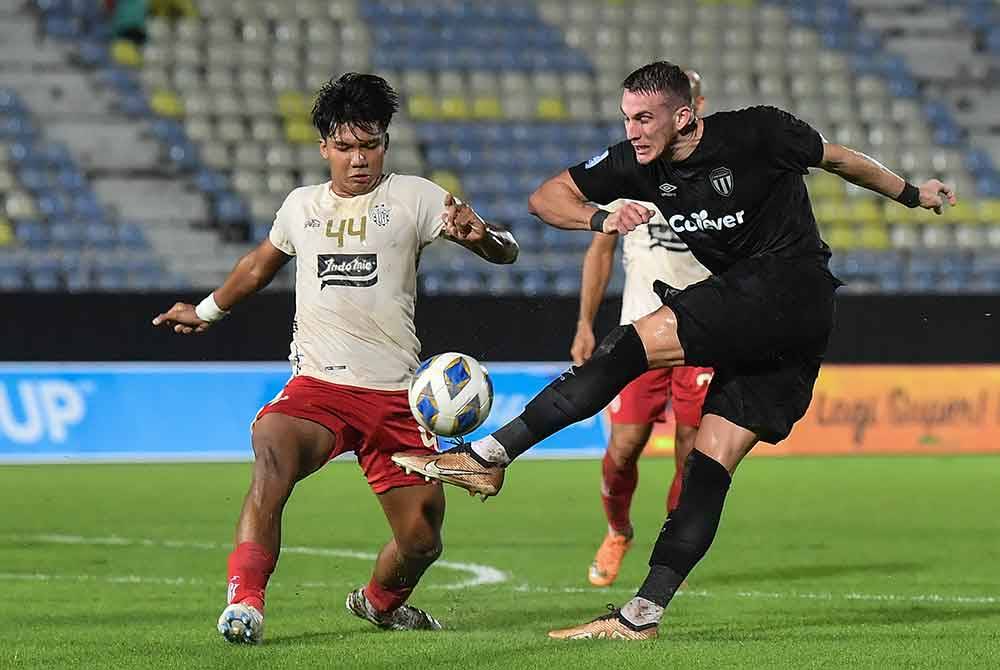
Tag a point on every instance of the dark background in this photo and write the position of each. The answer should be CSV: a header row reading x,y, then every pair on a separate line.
x,y
110,327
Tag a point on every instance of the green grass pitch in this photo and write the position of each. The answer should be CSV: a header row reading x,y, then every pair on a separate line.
x,y
820,563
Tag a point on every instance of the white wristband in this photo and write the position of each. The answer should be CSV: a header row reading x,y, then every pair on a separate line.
x,y
209,310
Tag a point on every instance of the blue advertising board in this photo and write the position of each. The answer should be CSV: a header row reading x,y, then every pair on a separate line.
x,y
55,412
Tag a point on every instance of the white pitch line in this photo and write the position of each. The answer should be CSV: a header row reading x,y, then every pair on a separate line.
x,y
932,598
110,579
479,575
482,575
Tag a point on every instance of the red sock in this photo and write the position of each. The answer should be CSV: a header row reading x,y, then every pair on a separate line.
x,y
386,600
616,493
675,490
250,566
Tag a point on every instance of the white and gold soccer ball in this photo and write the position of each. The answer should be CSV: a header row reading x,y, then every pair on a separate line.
x,y
451,394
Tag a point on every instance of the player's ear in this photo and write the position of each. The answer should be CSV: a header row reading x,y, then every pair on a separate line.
x,y
385,141
323,150
683,117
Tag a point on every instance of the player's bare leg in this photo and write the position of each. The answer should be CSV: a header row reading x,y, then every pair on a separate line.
x,y
579,393
620,474
415,514
720,446
286,449
684,437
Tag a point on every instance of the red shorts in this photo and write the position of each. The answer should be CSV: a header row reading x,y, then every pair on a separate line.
x,y
645,399
373,424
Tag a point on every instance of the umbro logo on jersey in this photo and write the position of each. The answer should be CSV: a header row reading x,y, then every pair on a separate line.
x,y
668,190
722,180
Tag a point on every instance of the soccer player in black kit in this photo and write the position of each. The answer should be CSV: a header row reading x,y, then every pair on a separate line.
x,y
731,186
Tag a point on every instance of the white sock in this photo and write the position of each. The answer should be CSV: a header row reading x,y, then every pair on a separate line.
x,y
490,450
642,612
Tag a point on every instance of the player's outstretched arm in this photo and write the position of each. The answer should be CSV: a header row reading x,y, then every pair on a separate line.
x,y
463,225
865,171
252,273
597,266
560,203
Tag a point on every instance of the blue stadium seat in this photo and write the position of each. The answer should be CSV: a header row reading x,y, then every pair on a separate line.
x,y
67,235
32,234
130,235
100,235
12,279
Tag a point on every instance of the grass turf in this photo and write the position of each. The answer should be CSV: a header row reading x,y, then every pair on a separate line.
x,y
820,563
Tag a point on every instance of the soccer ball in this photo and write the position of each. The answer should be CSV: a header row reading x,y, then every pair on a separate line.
x,y
451,394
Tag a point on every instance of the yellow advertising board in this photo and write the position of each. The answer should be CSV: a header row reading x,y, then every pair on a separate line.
x,y
871,409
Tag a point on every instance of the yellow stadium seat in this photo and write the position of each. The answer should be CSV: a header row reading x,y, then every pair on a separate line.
x,y
866,212
487,107
125,52
165,103
963,211
454,107
989,211
449,181
897,214
300,132
832,212
422,107
551,109
173,8
293,105
875,237
825,185
6,233
841,238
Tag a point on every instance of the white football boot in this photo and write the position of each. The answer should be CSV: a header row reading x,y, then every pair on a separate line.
x,y
242,624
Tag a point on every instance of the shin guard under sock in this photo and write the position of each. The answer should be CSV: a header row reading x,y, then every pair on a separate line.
x,y
579,393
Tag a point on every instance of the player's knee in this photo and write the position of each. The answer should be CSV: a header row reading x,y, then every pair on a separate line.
x,y
272,459
422,547
658,333
624,451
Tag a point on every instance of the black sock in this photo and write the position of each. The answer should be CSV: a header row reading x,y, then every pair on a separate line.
x,y
689,530
579,393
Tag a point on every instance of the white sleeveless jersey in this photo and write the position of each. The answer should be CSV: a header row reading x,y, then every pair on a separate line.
x,y
652,252
356,278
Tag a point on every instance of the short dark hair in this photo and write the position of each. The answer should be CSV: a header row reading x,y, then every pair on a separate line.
x,y
661,77
366,101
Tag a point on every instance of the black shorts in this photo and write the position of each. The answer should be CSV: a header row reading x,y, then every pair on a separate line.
x,y
764,326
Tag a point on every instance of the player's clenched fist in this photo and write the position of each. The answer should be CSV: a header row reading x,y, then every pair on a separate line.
x,y
934,193
460,222
626,218
183,319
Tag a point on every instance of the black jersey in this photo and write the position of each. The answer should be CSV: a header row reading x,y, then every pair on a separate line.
x,y
739,194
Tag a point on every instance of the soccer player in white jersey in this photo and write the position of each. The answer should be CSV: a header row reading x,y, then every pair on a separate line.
x,y
653,252
358,239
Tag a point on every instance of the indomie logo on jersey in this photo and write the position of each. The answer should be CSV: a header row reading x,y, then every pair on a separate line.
x,y
347,269
700,221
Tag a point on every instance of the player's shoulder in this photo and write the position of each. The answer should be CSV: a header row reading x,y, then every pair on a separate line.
x,y
409,184
307,193
756,115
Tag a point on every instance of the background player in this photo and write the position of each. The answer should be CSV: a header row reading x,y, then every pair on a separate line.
x,y
650,253
762,320
358,238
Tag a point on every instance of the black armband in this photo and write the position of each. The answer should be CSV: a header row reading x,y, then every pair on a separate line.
x,y
597,220
910,196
